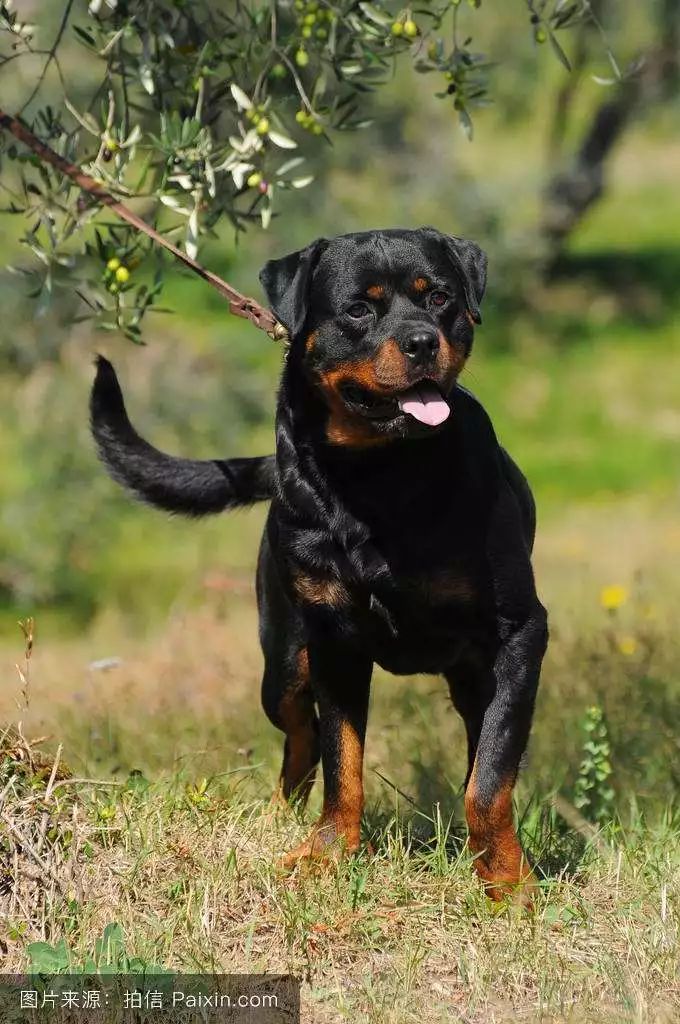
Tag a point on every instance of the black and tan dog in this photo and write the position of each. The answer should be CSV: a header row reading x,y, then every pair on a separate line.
x,y
399,532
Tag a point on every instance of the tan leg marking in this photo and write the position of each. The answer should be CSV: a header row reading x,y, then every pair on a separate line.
x,y
338,830
499,860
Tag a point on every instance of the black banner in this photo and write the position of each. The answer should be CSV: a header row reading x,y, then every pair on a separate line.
x,y
148,998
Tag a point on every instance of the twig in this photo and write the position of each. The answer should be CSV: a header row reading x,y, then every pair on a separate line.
x,y
5,791
239,305
85,782
8,58
27,627
16,898
40,797
53,773
30,849
42,830
52,54
296,78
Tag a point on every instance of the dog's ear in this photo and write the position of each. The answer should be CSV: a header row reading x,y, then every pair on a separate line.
x,y
470,262
287,283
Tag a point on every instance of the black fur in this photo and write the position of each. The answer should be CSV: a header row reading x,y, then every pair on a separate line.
x,y
389,540
193,487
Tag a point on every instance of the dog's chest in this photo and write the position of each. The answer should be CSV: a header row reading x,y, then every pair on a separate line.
x,y
407,577
435,602
432,615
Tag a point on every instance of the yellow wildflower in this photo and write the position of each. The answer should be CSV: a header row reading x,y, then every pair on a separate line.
x,y
628,646
613,596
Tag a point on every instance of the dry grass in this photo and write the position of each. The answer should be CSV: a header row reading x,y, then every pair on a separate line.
x,y
406,936
184,857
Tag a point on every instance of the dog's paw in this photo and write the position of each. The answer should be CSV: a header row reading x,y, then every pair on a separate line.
x,y
328,843
278,804
518,891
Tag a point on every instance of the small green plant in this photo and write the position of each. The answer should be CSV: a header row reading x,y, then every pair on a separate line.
x,y
45,958
110,957
593,794
358,878
197,794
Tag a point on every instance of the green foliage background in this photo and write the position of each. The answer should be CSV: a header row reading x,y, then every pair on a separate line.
x,y
580,374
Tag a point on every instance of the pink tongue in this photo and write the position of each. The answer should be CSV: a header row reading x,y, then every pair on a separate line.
x,y
426,404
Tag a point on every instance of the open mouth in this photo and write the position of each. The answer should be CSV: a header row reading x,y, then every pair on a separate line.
x,y
423,401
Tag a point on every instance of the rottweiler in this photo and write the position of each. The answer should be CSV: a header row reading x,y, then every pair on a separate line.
x,y
399,532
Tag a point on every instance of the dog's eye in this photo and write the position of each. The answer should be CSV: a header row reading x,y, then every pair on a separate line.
x,y
358,310
438,299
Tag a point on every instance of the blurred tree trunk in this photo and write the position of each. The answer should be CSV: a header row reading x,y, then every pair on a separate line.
x,y
578,181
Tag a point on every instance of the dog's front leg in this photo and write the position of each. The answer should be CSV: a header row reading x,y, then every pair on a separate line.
x,y
499,860
341,684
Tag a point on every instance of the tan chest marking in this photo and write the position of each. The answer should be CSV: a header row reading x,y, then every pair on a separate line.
x,y
320,590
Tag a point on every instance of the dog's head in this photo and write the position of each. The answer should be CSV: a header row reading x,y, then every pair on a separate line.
x,y
381,323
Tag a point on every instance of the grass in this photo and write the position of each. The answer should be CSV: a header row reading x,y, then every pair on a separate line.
x,y
191,880
178,843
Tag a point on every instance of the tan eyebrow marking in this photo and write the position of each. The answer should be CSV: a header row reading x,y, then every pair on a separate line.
x,y
420,284
376,291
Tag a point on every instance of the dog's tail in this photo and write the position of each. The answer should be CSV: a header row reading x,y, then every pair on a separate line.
x,y
191,487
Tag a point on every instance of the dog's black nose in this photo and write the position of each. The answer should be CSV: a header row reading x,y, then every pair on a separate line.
x,y
422,346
